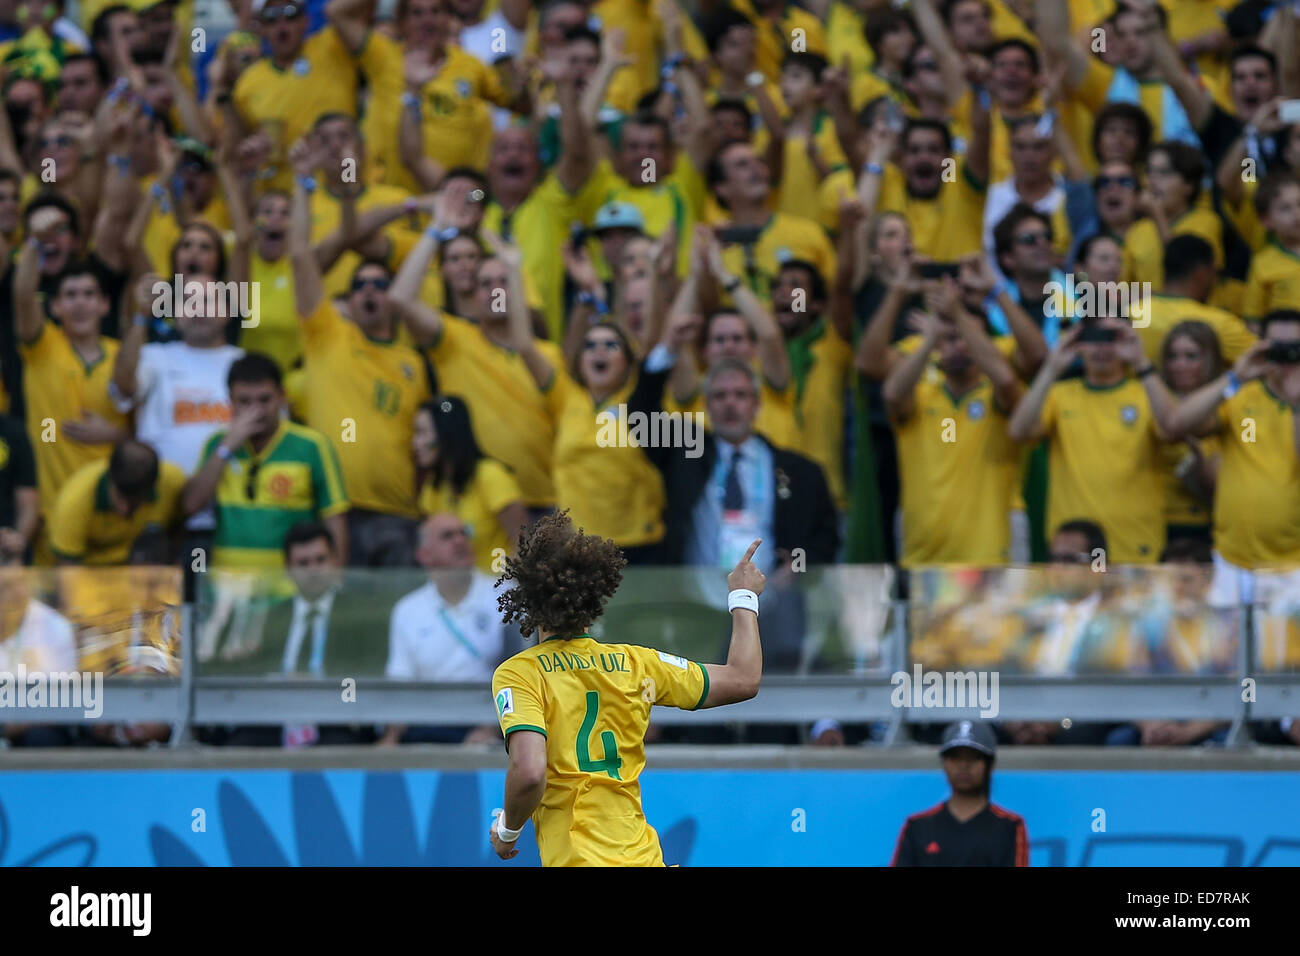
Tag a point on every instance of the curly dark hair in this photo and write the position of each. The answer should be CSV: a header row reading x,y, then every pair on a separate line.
x,y
562,577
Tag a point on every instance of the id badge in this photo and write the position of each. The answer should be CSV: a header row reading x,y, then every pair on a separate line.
x,y
739,529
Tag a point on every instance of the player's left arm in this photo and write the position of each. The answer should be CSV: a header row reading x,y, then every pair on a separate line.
x,y
525,785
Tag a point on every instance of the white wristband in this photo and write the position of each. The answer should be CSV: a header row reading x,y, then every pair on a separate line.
x,y
505,833
742,598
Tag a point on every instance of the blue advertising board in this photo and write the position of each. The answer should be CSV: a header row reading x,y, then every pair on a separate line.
x,y
704,817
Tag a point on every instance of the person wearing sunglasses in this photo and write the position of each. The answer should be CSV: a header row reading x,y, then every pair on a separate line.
x,y
1107,205
1025,253
361,387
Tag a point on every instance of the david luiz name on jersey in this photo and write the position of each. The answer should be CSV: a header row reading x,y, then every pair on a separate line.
x,y
613,663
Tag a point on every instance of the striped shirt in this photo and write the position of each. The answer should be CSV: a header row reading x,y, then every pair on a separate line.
x,y
296,477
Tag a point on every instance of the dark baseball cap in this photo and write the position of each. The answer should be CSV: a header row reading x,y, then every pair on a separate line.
x,y
969,733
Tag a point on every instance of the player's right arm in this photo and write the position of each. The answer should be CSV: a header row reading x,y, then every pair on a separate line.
x,y
738,679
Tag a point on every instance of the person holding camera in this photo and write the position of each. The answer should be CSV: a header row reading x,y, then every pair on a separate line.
x,y
1251,408
1104,437
958,483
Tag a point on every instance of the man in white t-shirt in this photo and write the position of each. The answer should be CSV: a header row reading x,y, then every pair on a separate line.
x,y
36,637
500,34
448,630
178,389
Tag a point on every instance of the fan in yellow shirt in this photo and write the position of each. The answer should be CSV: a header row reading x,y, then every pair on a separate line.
x,y
606,484
1189,283
450,90
777,24
476,359
747,332
1103,439
813,156
459,479
1189,357
106,506
756,241
300,80
1274,279
362,386
1251,410
958,469
575,711
67,367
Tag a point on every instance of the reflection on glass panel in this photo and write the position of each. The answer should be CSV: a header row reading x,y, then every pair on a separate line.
x,y
1070,619
1276,602
120,621
411,624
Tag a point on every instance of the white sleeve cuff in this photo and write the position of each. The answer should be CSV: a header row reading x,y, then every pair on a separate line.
x,y
660,359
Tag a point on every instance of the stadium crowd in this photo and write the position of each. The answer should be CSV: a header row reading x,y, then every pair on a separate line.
x,y
971,282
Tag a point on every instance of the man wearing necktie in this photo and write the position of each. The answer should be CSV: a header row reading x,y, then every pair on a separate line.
x,y
326,630
741,488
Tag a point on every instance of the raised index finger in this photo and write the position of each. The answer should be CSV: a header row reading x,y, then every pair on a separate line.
x,y
752,548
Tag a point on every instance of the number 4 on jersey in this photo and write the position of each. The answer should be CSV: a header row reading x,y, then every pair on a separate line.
x,y
612,761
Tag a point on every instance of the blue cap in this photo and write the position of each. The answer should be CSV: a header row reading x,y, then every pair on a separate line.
x,y
618,215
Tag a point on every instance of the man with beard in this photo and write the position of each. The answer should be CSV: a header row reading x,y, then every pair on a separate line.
x,y
942,198
966,829
363,387
958,469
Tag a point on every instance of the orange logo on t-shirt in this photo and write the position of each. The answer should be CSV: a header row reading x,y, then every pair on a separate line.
x,y
185,412
280,486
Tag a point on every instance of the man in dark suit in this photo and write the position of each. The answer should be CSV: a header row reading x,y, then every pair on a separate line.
x,y
742,487
323,630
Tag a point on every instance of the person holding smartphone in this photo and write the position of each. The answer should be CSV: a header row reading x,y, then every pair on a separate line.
x,y
1104,440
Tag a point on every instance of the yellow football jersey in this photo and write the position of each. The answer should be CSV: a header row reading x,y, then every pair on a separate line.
x,y
1166,311
1257,496
284,104
958,473
61,388
273,328
506,408
1273,282
456,110
84,527
776,39
1104,462
491,489
944,227
591,702
610,488
1144,250
362,394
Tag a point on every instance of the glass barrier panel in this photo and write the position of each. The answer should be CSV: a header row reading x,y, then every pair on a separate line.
x,y
1067,620
118,621
397,622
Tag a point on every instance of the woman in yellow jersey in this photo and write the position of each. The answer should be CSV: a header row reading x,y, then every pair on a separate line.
x,y
453,475
602,475
575,711
1189,358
